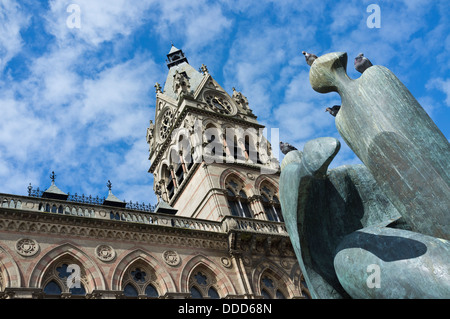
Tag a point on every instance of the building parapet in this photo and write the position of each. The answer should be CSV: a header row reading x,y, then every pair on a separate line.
x,y
96,212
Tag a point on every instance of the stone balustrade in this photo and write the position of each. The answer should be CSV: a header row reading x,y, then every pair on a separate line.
x,y
253,225
52,206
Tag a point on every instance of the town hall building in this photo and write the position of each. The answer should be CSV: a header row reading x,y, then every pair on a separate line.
x,y
217,230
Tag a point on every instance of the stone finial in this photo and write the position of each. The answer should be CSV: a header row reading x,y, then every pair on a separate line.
x,y
204,69
53,176
158,88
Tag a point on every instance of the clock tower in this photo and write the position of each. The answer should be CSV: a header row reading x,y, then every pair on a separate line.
x,y
208,154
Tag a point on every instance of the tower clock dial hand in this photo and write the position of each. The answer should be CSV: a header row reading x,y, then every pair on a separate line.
x,y
217,102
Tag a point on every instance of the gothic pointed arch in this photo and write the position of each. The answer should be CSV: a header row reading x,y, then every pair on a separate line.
x,y
67,275
238,195
262,179
10,275
268,192
156,274
300,282
166,184
228,173
271,281
202,274
93,277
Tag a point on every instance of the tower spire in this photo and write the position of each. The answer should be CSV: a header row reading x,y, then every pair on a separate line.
x,y
175,57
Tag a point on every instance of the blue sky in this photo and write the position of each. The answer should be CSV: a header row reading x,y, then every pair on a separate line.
x,y
78,101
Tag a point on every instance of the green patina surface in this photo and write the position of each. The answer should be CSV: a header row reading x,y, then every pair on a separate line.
x,y
392,212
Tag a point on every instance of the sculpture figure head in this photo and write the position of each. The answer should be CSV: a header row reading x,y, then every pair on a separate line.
x,y
327,71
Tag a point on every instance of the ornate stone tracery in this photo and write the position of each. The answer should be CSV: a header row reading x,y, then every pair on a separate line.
x,y
65,275
140,279
203,283
165,124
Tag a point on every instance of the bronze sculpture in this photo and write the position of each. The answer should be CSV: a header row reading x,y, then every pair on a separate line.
x,y
393,212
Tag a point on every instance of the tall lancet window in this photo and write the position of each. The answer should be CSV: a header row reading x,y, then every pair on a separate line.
x,y
271,204
237,199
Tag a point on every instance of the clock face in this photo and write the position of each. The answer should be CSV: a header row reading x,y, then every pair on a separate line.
x,y
219,103
166,124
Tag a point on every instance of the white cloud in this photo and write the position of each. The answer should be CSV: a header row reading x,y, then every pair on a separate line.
x,y
12,21
21,132
346,15
443,85
118,96
100,20
198,23
53,78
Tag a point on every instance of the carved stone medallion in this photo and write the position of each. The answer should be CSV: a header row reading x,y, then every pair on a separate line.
x,y
27,247
171,258
284,263
226,262
105,252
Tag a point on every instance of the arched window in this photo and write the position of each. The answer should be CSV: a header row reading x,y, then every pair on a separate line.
x,y
52,288
251,150
237,199
251,146
130,291
210,140
237,151
270,202
184,154
195,293
151,291
166,175
202,285
140,280
65,276
179,173
214,145
271,288
189,161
